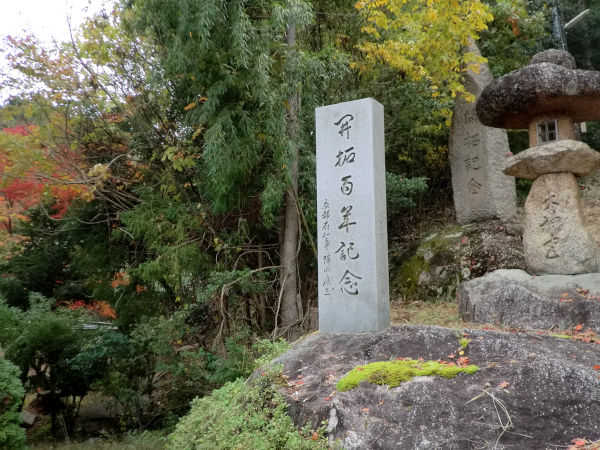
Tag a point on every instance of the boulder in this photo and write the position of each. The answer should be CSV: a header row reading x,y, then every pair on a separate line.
x,y
454,253
555,238
513,298
531,392
559,156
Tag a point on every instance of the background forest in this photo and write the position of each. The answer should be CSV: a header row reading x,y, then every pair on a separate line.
x,y
157,179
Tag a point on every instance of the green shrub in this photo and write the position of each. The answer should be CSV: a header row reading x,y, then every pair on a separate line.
x,y
13,290
401,191
11,319
241,416
52,344
12,436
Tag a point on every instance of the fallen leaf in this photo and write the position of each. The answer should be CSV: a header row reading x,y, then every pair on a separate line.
x,y
365,410
327,399
315,436
597,367
579,327
503,385
463,361
579,442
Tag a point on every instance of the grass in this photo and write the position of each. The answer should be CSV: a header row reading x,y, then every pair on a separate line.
x,y
444,314
142,441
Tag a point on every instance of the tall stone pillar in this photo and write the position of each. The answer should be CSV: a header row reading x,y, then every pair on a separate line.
x,y
477,154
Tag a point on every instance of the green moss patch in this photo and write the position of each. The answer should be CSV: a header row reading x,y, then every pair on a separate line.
x,y
392,373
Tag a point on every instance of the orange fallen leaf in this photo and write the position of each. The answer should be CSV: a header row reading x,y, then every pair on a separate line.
x,y
365,410
463,361
579,327
503,385
597,367
315,436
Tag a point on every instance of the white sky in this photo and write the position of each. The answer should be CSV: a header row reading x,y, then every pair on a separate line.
x,y
46,19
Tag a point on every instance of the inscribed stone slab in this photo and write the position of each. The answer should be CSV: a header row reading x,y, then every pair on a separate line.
x,y
477,153
352,223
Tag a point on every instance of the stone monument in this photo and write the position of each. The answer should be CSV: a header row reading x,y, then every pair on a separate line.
x,y
352,222
476,154
548,97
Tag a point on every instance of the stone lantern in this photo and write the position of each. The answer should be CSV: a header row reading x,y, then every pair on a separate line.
x,y
548,97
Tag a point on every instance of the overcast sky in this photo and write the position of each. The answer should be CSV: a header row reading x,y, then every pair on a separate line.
x,y
46,19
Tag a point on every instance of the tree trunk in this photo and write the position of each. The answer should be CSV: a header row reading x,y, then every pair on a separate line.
x,y
290,315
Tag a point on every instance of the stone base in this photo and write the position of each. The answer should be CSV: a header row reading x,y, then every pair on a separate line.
x,y
514,298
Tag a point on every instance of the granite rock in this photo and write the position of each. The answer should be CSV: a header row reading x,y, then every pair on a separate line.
x,y
555,239
548,387
513,298
476,154
559,156
513,100
554,56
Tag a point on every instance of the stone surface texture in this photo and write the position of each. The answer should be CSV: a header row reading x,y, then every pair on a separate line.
x,y
352,220
513,100
476,153
559,156
591,203
551,391
554,56
513,298
452,254
555,239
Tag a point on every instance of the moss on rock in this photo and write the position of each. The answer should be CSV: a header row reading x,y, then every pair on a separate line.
x,y
453,254
428,272
393,373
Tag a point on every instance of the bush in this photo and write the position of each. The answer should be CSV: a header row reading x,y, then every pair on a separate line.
x,y
12,323
241,415
12,436
401,192
51,343
13,291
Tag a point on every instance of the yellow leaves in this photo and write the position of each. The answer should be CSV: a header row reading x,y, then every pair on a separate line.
x,y
424,39
192,105
198,131
100,173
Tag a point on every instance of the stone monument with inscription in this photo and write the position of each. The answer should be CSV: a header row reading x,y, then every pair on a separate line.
x,y
548,97
476,154
352,222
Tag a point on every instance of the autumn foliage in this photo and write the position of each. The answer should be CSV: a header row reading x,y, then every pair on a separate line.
x,y
101,308
30,177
